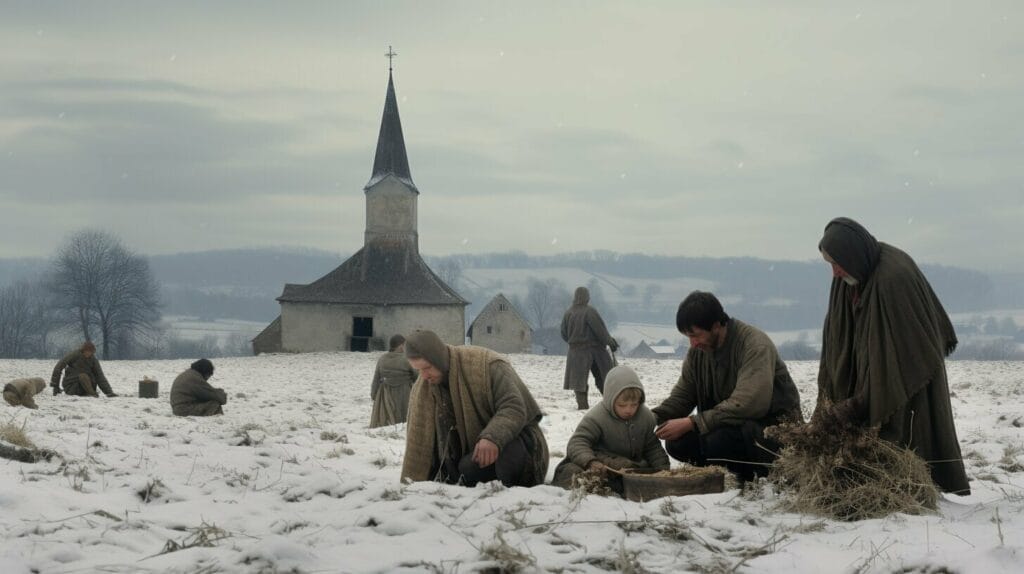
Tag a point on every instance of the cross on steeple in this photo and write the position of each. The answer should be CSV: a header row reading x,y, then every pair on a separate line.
x,y
390,54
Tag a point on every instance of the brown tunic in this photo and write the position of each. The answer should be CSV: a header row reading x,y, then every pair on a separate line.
x,y
742,380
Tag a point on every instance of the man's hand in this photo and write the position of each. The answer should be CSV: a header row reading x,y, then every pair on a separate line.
x,y
674,428
596,465
613,345
485,453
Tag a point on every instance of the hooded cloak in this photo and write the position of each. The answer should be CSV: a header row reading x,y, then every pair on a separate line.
x,y
884,345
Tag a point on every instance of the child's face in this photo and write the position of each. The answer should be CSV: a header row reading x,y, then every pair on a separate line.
x,y
625,408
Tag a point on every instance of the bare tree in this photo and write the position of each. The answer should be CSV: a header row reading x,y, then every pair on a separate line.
x,y
25,321
545,301
105,290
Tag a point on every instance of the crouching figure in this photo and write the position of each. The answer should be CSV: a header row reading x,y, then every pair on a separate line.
x,y
192,394
471,418
20,392
617,434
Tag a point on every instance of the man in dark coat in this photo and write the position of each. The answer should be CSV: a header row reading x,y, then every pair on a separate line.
x,y
734,377
82,373
584,330
192,394
471,418
884,344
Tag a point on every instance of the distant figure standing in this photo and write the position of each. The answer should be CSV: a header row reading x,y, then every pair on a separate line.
x,y
19,392
584,330
392,381
82,373
192,394
884,344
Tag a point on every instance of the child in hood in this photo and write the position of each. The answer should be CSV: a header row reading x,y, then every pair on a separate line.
x,y
618,433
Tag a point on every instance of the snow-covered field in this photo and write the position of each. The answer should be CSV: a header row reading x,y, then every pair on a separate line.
x,y
291,480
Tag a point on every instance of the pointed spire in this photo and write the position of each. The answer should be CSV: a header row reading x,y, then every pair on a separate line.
x,y
391,158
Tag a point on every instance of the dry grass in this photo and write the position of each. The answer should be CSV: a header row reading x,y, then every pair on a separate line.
x,y
842,471
15,435
591,482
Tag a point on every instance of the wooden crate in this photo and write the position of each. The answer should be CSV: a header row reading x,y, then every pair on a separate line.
x,y
149,389
639,484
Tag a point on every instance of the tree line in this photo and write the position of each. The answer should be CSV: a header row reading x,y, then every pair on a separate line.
x,y
94,289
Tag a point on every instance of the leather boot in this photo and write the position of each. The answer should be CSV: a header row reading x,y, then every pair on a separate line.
x,y
581,401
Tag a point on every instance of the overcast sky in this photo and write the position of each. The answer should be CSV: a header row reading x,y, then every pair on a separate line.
x,y
686,128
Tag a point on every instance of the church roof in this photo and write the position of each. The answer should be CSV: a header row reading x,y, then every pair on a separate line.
x,y
391,158
381,273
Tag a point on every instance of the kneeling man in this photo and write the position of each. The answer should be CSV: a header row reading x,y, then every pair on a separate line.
x,y
471,418
735,379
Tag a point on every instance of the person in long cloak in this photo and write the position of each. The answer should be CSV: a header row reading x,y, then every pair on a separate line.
x,y
884,343
392,380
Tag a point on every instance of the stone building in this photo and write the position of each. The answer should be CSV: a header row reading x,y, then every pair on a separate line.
x,y
385,288
501,327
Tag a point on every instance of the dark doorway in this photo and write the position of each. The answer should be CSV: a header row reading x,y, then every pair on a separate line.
x,y
362,330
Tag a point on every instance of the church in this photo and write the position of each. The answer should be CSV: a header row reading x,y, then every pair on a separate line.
x,y
385,288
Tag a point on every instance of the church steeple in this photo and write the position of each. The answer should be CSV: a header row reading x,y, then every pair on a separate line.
x,y
391,158
391,196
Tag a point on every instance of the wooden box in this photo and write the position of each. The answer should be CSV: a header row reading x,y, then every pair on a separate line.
x,y
149,389
647,484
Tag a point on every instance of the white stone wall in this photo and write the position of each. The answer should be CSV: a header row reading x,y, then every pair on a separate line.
x,y
508,333
391,210
312,327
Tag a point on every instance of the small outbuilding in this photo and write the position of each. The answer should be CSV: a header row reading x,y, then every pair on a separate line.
x,y
653,351
501,327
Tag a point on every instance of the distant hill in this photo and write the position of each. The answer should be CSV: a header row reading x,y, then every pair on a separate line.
x,y
778,295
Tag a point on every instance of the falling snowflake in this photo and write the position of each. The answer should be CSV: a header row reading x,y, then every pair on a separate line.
x,y
910,220
622,176
917,152
739,165
60,115
554,240
465,240
173,57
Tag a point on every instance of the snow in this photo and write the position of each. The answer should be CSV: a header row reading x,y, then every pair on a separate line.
x,y
290,479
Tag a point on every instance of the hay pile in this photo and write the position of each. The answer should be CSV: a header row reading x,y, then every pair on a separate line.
x,y
15,435
687,471
840,470
592,482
